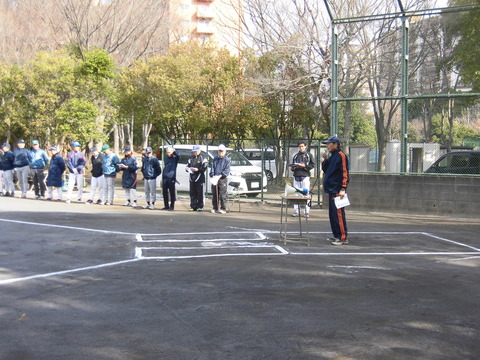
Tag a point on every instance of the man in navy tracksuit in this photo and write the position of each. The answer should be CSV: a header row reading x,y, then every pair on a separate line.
x,y
39,162
335,183
196,166
151,170
169,178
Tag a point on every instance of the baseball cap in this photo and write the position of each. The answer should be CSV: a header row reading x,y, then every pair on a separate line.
x,y
196,148
7,145
332,139
105,147
93,149
148,149
126,150
53,148
21,141
34,142
222,147
75,143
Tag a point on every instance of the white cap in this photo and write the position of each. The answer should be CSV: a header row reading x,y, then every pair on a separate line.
x,y
222,147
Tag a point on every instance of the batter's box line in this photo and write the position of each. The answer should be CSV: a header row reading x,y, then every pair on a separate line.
x,y
139,252
141,237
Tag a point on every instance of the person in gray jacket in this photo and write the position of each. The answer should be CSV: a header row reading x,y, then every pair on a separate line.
x,y
219,172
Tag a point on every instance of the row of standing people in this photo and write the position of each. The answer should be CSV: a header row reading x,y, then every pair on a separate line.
x,y
105,165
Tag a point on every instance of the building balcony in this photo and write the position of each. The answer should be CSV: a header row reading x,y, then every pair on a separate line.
x,y
204,12
205,28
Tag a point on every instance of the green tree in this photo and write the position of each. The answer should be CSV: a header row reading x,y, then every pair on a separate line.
x,y
467,50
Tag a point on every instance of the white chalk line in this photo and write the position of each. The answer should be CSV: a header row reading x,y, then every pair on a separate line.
x,y
58,273
67,227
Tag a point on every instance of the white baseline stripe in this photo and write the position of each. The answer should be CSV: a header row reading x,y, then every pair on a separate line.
x,y
67,227
57,273
386,254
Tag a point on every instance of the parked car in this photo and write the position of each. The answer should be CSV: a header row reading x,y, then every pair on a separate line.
x,y
255,157
248,177
457,162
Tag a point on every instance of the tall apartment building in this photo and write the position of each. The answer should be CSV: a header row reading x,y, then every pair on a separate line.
x,y
216,21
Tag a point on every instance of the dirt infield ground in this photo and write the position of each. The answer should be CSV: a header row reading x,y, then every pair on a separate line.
x,y
95,282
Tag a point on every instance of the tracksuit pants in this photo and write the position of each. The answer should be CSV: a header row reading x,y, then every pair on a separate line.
x,y
220,195
196,195
169,192
338,222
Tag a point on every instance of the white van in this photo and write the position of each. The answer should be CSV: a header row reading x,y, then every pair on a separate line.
x,y
248,176
255,157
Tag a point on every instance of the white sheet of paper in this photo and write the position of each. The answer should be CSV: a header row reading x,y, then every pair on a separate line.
x,y
341,202
214,180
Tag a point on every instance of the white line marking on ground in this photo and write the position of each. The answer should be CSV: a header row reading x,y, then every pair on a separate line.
x,y
57,273
384,254
359,267
67,227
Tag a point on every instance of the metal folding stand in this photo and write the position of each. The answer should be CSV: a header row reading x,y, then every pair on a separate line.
x,y
286,202
235,196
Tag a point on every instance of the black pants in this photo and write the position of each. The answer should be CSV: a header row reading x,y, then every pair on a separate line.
x,y
39,182
196,195
338,222
169,191
220,195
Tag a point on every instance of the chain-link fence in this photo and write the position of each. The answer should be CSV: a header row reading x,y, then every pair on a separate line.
x,y
402,96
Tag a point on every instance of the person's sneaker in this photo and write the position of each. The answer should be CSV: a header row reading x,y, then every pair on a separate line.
x,y
41,197
6,194
295,214
48,199
107,203
165,208
127,203
12,194
146,206
89,202
200,209
191,209
151,206
213,211
330,239
307,216
222,212
68,201
37,197
79,200
58,200
24,196
339,242
99,202
134,205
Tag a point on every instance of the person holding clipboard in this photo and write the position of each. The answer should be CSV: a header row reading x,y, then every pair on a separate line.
x,y
218,178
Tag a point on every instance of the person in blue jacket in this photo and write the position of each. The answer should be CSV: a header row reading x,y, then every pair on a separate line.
x,y
39,161
110,168
335,182
169,178
219,172
55,173
129,166
21,163
8,168
151,170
